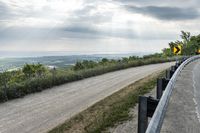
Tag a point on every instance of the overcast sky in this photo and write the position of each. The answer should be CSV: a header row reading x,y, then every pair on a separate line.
x,y
103,26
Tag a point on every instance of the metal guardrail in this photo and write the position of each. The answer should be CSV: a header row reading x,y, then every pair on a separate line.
x,y
159,114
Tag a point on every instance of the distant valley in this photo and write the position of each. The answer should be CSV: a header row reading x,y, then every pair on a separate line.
x,y
55,61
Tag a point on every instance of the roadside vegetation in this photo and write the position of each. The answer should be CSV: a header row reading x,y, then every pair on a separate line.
x,y
190,45
111,110
36,77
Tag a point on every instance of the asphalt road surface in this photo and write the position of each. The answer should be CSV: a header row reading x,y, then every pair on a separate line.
x,y
183,112
40,112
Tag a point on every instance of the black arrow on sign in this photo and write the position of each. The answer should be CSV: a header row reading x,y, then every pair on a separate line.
x,y
177,50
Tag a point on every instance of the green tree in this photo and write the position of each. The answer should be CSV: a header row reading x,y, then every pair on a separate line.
x,y
78,66
32,70
167,52
104,61
89,64
131,58
186,37
39,69
28,70
4,78
125,60
188,47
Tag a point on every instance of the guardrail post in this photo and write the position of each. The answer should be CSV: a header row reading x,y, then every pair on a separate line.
x,y
172,70
165,81
147,107
168,74
158,117
159,88
176,65
161,85
142,114
151,106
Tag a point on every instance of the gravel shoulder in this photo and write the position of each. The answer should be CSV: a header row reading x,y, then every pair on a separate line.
x,y
40,112
130,126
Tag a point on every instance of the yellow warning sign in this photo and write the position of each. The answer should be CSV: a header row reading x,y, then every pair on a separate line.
x,y
198,51
177,49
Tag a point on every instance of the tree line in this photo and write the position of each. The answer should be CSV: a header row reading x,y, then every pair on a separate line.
x,y
190,44
33,78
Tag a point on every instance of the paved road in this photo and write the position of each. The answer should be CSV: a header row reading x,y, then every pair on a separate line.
x,y
40,112
182,115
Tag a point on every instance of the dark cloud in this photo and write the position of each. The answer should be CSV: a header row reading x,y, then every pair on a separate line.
x,y
169,3
76,32
30,33
86,22
70,31
165,13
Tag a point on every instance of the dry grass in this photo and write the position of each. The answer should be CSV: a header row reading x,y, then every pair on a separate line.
x,y
109,111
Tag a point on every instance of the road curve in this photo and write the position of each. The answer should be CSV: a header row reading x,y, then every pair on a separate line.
x,y
183,112
40,112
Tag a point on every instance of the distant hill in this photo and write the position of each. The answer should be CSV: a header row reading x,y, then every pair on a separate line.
x,y
57,61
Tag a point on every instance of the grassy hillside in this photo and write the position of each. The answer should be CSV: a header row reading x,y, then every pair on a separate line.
x,y
35,77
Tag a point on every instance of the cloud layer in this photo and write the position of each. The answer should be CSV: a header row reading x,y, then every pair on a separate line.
x,y
95,25
166,13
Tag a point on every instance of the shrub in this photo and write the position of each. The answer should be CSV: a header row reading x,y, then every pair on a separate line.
x,y
80,71
2,95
